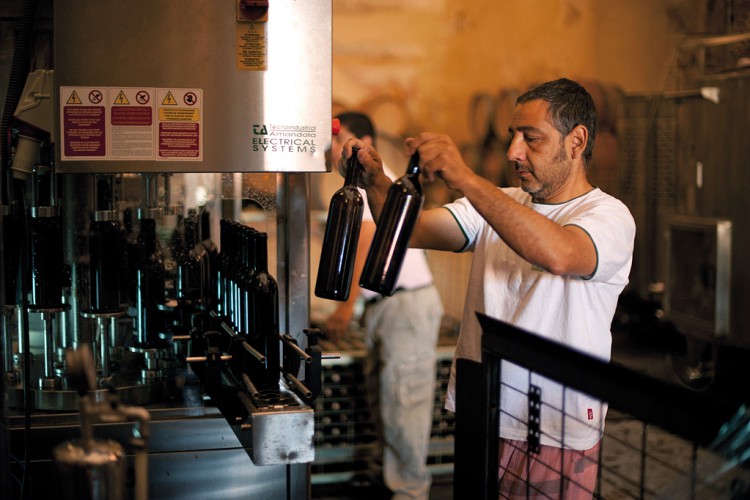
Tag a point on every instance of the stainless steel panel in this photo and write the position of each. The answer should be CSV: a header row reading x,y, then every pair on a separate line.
x,y
698,274
194,45
220,474
713,175
193,453
283,436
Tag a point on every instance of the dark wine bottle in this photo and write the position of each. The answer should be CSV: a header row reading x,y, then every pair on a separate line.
x,y
212,294
45,257
263,300
150,284
192,265
249,268
105,255
221,268
341,236
394,228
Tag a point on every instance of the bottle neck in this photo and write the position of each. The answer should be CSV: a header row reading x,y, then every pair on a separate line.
x,y
147,235
223,236
412,169
190,237
353,169
261,252
249,246
236,243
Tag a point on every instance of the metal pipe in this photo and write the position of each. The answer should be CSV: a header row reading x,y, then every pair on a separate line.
x,y
103,339
199,359
299,385
250,386
298,350
49,344
257,355
8,339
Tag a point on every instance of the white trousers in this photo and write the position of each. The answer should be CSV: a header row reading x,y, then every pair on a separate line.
x,y
401,334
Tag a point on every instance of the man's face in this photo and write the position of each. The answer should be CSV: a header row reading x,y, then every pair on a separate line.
x,y
538,151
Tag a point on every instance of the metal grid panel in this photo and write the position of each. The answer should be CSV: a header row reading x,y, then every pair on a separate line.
x,y
660,441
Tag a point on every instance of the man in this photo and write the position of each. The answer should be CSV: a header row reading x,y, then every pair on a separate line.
x,y
551,257
401,333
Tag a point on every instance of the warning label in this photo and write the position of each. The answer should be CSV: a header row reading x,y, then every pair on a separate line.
x,y
136,123
178,115
180,135
132,116
179,140
84,131
131,123
251,47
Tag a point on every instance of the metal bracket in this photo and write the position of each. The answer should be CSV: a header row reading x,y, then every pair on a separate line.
x,y
534,423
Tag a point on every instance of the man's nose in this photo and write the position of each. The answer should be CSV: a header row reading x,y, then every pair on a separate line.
x,y
516,151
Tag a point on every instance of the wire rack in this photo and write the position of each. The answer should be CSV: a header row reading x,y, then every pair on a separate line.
x,y
660,440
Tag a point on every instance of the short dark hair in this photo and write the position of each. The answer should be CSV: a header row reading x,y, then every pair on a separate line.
x,y
358,124
570,105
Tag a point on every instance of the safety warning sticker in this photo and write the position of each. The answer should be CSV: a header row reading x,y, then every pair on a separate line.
x,y
83,123
180,132
131,123
251,47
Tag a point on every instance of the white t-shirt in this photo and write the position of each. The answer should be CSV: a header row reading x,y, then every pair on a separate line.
x,y
415,272
571,310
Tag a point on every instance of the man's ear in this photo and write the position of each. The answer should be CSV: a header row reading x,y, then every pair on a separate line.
x,y
578,137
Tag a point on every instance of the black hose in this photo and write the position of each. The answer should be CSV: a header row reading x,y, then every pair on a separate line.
x,y
17,79
18,74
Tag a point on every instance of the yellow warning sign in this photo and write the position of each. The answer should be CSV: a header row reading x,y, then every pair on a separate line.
x,y
169,100
74,99
179,115
252,51
121,98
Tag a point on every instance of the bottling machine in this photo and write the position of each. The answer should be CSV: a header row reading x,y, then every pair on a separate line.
x,y
156,245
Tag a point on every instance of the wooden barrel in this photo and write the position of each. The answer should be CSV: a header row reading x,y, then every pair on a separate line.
x,y
602,169
505,103
609,100
481,112
472,155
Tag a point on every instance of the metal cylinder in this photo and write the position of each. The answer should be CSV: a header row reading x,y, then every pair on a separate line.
x,y
95,471
46,261
105,258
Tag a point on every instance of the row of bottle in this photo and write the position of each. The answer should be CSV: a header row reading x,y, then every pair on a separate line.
x,y
124,271
235,283
248,299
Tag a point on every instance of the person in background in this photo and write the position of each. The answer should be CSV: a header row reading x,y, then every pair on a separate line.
x,y
551,257
401,333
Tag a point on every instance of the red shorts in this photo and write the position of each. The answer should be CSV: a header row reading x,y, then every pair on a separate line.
x,y
552,473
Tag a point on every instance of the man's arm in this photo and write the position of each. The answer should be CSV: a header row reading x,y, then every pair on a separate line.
x,y
558,249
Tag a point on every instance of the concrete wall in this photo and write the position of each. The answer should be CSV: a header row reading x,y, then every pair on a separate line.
x,y
417,63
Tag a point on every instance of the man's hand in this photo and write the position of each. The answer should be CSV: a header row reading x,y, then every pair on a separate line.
x,y
439,157
372,165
